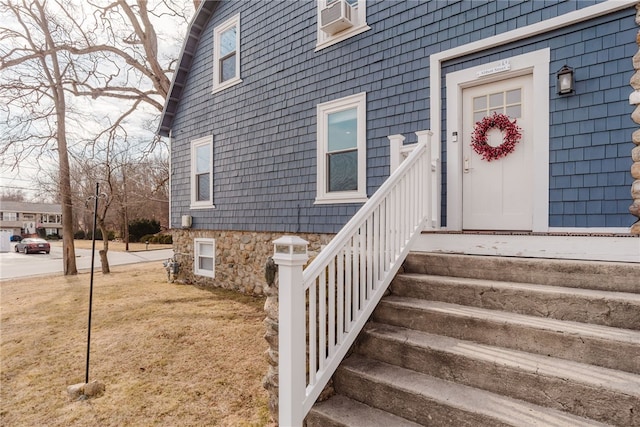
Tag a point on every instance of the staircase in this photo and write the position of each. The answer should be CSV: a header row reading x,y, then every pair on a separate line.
x,y
490,341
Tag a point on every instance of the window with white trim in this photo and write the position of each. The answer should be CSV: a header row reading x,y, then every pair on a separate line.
x,y
342,157
226,54
204,257
9,216
202,173
340,19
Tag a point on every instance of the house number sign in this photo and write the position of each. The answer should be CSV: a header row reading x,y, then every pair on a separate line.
x,y
503,65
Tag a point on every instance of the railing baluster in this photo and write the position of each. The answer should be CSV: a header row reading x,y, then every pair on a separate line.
x,y
362,277
369,264
376,248
347,279
341,301
331,283
393,231
385,237
322,320
415,196
347,289
401,215
354,280
397,221
312,328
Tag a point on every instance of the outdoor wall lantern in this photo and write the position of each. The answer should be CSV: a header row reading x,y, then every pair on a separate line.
x,y
564,84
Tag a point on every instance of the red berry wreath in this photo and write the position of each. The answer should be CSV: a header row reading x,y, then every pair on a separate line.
x,y
510,130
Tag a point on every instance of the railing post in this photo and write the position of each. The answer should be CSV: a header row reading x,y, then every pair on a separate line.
x,y
432,184
395,151
290,254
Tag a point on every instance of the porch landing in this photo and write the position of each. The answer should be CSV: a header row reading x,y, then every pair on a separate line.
x,y
618,247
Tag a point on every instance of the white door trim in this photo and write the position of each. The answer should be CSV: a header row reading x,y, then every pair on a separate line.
x,y
535,63
571,18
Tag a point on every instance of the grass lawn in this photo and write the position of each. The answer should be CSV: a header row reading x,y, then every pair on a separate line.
x,y
169,354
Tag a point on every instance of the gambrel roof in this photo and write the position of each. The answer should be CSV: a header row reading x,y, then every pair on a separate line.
x,y
197,26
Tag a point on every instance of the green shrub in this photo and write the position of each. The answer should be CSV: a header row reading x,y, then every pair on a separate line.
x,y
141,228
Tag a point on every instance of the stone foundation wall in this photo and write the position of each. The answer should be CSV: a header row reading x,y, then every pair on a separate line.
x,y
270,381
240,257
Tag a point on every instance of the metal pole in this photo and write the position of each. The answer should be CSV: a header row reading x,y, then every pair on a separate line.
x,y
93,251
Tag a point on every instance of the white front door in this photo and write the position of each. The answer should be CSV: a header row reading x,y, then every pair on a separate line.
x,y
498,194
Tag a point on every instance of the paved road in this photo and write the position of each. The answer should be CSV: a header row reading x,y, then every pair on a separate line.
x,y
15,265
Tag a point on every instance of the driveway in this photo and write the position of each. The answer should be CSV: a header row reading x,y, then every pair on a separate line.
x,y
15,265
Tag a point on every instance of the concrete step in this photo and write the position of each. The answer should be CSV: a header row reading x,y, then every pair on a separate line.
x,y
616,309
603,346
340,411
584,390
608,276
435,402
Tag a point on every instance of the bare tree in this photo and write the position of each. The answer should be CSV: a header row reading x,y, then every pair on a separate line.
x,y
10,195
54,54
148,190
37,51
133,188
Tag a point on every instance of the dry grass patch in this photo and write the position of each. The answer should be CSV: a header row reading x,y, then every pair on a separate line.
x,y
168,354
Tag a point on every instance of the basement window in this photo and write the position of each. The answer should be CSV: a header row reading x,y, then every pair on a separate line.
x,y
204,257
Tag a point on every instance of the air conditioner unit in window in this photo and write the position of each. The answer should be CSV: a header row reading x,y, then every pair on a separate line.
x,y
336,17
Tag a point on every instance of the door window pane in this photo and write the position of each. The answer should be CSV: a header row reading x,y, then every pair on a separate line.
x,y
513,96
496,100
509,103
514,111
479,103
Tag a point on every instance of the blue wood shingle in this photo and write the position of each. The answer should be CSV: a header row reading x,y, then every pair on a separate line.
x,y
264,129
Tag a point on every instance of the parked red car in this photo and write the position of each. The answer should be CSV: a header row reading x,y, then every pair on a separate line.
x,y
33,245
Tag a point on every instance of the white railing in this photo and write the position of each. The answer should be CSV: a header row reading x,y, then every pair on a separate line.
x,y
320,320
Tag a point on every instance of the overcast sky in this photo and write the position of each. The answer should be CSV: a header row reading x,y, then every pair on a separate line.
x,y
96,111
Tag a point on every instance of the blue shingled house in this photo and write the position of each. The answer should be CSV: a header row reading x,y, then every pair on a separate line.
x,y
512,119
